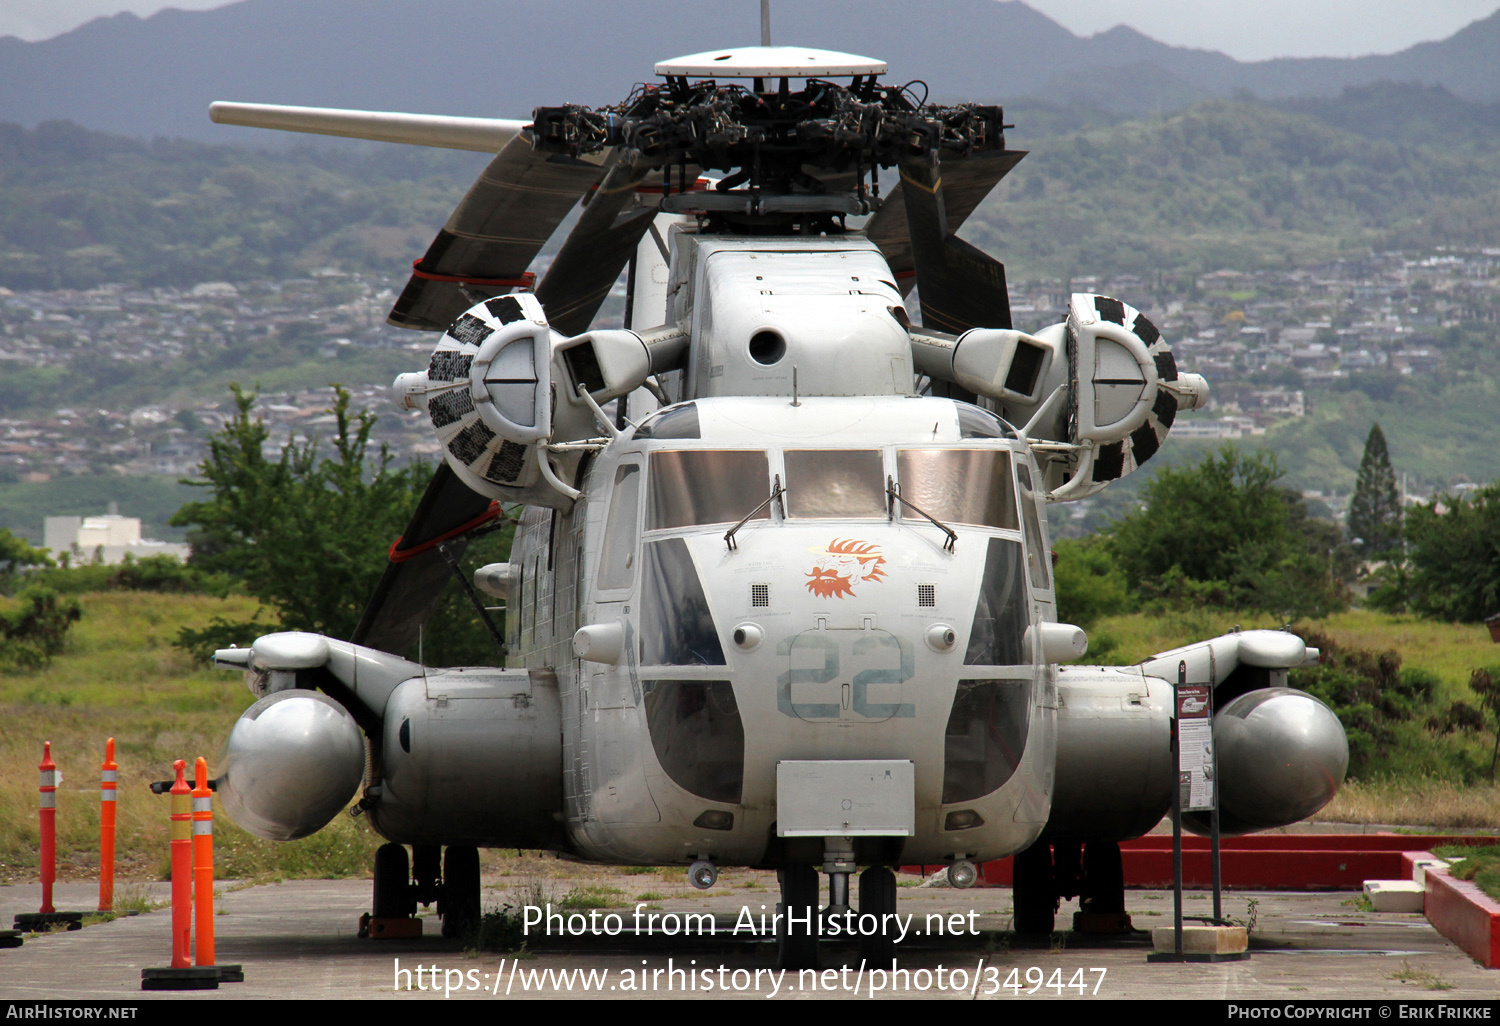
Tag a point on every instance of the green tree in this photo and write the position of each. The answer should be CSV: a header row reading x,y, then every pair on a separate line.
x,y
1374,522
16,555
1453,556
1223,532
306,535
309,536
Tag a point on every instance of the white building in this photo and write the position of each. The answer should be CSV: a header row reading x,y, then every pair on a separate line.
x,y
110,536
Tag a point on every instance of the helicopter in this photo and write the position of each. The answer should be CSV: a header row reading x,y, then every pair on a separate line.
x,y
781,592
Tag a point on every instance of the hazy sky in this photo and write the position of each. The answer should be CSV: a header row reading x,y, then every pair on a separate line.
x,y
1241,28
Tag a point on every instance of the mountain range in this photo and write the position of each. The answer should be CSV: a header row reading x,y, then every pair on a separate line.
x,y
156,76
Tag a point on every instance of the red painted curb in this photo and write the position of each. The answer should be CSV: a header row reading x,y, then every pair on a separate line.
x,y
1464,914
1270,862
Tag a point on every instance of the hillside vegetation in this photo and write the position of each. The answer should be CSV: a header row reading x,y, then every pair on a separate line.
x,y
1239,184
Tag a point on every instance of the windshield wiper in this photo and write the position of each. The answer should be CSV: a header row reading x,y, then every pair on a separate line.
x,y
893,496
776,492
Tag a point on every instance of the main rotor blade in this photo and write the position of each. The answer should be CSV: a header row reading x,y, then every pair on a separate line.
x,y
961,286
482,135
596,250
966,182
493,234
409,590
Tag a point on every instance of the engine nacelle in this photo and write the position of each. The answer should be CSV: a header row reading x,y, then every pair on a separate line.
x,y
1114,763
472,756
292,762
1281,757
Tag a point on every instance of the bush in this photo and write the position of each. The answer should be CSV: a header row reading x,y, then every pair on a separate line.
x,y
1454,556
1223,534
1090,584
35,631
1368,691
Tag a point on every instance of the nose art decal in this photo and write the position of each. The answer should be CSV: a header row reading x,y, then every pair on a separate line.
x,y
843,565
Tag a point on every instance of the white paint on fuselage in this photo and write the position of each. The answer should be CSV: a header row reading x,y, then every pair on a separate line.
x,y
878,627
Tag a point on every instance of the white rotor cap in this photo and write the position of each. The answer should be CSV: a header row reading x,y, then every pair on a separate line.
x,y
771,62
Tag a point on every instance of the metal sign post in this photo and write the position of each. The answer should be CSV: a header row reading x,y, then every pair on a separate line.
x,y
1196,791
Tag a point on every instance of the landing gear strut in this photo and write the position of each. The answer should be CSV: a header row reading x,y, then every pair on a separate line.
x,y
1094,872
451,879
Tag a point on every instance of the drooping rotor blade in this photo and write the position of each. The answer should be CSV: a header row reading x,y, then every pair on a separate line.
x,y
482,135
493,234
961,286
597,249
966,182
413,582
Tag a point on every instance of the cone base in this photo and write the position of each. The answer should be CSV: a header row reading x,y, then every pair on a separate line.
x,y
193,977
45,920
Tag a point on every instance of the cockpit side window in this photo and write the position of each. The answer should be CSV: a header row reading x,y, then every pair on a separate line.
x,y
962,486
706,486
617,556
1037,558
834,483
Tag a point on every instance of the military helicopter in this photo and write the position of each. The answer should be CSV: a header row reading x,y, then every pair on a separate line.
x,y
780,593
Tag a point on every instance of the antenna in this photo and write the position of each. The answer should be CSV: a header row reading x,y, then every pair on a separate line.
x,y
765,22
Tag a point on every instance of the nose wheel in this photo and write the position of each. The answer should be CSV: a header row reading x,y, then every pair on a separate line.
x,y
877,897
796,927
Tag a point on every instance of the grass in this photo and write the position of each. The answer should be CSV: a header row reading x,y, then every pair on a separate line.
x,y
1428,980
120,677
1449,650
1425,800
1417,778
1479,864
592,897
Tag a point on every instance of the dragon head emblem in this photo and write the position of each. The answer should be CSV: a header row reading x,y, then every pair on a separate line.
x,y
842,566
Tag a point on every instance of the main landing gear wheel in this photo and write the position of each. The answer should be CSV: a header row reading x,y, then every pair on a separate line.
x,y
797,944
459,904
1103,890
877,897
393,897
1033,892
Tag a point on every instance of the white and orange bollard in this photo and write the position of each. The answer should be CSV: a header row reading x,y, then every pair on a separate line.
x,y
182,974
48,915
48,826
203,875
109,782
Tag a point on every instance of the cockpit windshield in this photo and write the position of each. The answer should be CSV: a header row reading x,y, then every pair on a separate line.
x,y
835,483
706,486
959,486
693,487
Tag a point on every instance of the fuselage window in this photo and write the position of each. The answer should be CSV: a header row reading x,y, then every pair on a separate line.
x,y
959,486
617,558
834,483
707,486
